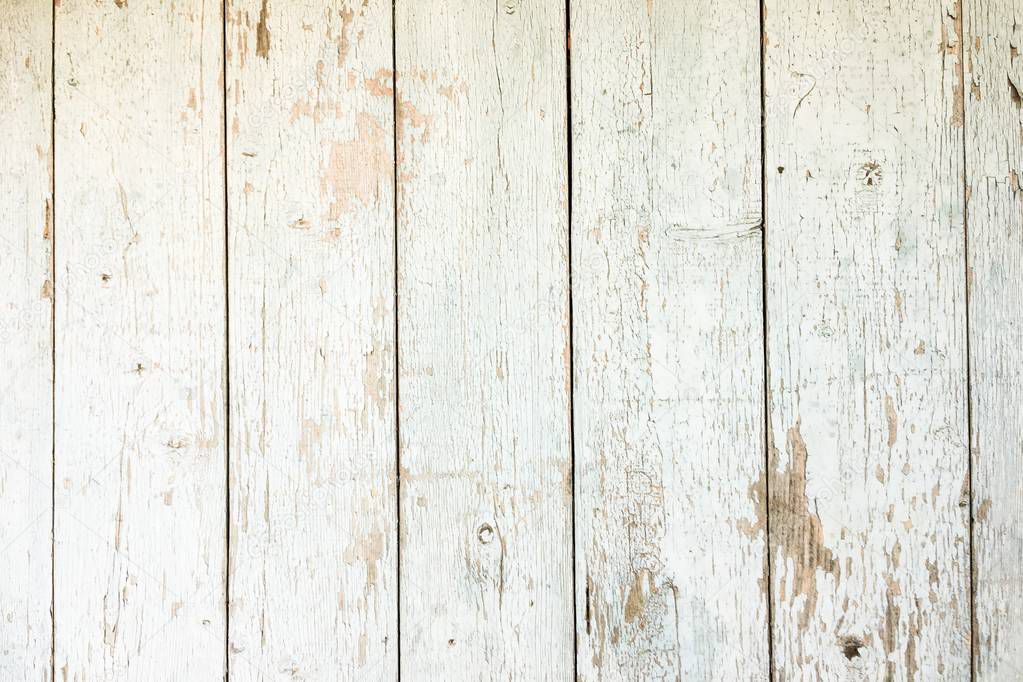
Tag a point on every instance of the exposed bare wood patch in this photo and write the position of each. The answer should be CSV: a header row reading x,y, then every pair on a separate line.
x,y
263,32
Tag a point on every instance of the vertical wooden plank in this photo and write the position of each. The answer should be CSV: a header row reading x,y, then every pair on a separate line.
x,y
866,340
486,550
140,341
26,385
668,343
994,165
311,202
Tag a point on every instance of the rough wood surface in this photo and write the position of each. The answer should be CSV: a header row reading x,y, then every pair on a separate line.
x,y
314,372
26,293
483,310
668,342
311,257
867,340
993,36
140,531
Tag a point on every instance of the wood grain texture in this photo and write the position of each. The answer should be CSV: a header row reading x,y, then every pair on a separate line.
x,y
307,368
26,387
311,255
866,340
486,550
668,342
140,341
993,36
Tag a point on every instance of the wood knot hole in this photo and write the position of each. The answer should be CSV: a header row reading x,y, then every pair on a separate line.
x,y
851,647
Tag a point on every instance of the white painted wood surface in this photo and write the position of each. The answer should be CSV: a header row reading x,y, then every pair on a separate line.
x,y
347,388
140,550
993,36
668,342
311,207
26,294
867,341
483,312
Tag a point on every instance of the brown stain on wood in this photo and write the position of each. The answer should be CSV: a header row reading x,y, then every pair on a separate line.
x,y
368,549
357,169
380,84
893,420
983,510
596,622
800,534
344,43
410,117
47,220
263,33
639,592
890,629
757,495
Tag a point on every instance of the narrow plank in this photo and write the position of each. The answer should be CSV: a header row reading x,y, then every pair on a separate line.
x,y
311,255
140,341
486,549
994,165
668,343
26,387
868,475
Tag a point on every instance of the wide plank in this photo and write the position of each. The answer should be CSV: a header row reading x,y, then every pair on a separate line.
x,y
668,341
140,553
26,367
866,319
313,580
483,312
993,37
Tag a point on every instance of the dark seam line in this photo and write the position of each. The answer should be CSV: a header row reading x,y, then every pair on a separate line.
x,y
53,342
571,335
397,351
766,375
227,362
971,579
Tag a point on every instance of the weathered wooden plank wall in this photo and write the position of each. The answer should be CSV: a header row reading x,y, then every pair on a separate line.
x,y
869,508
668,342
442,340
26,368
993,38
483,338
311,260
140,538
